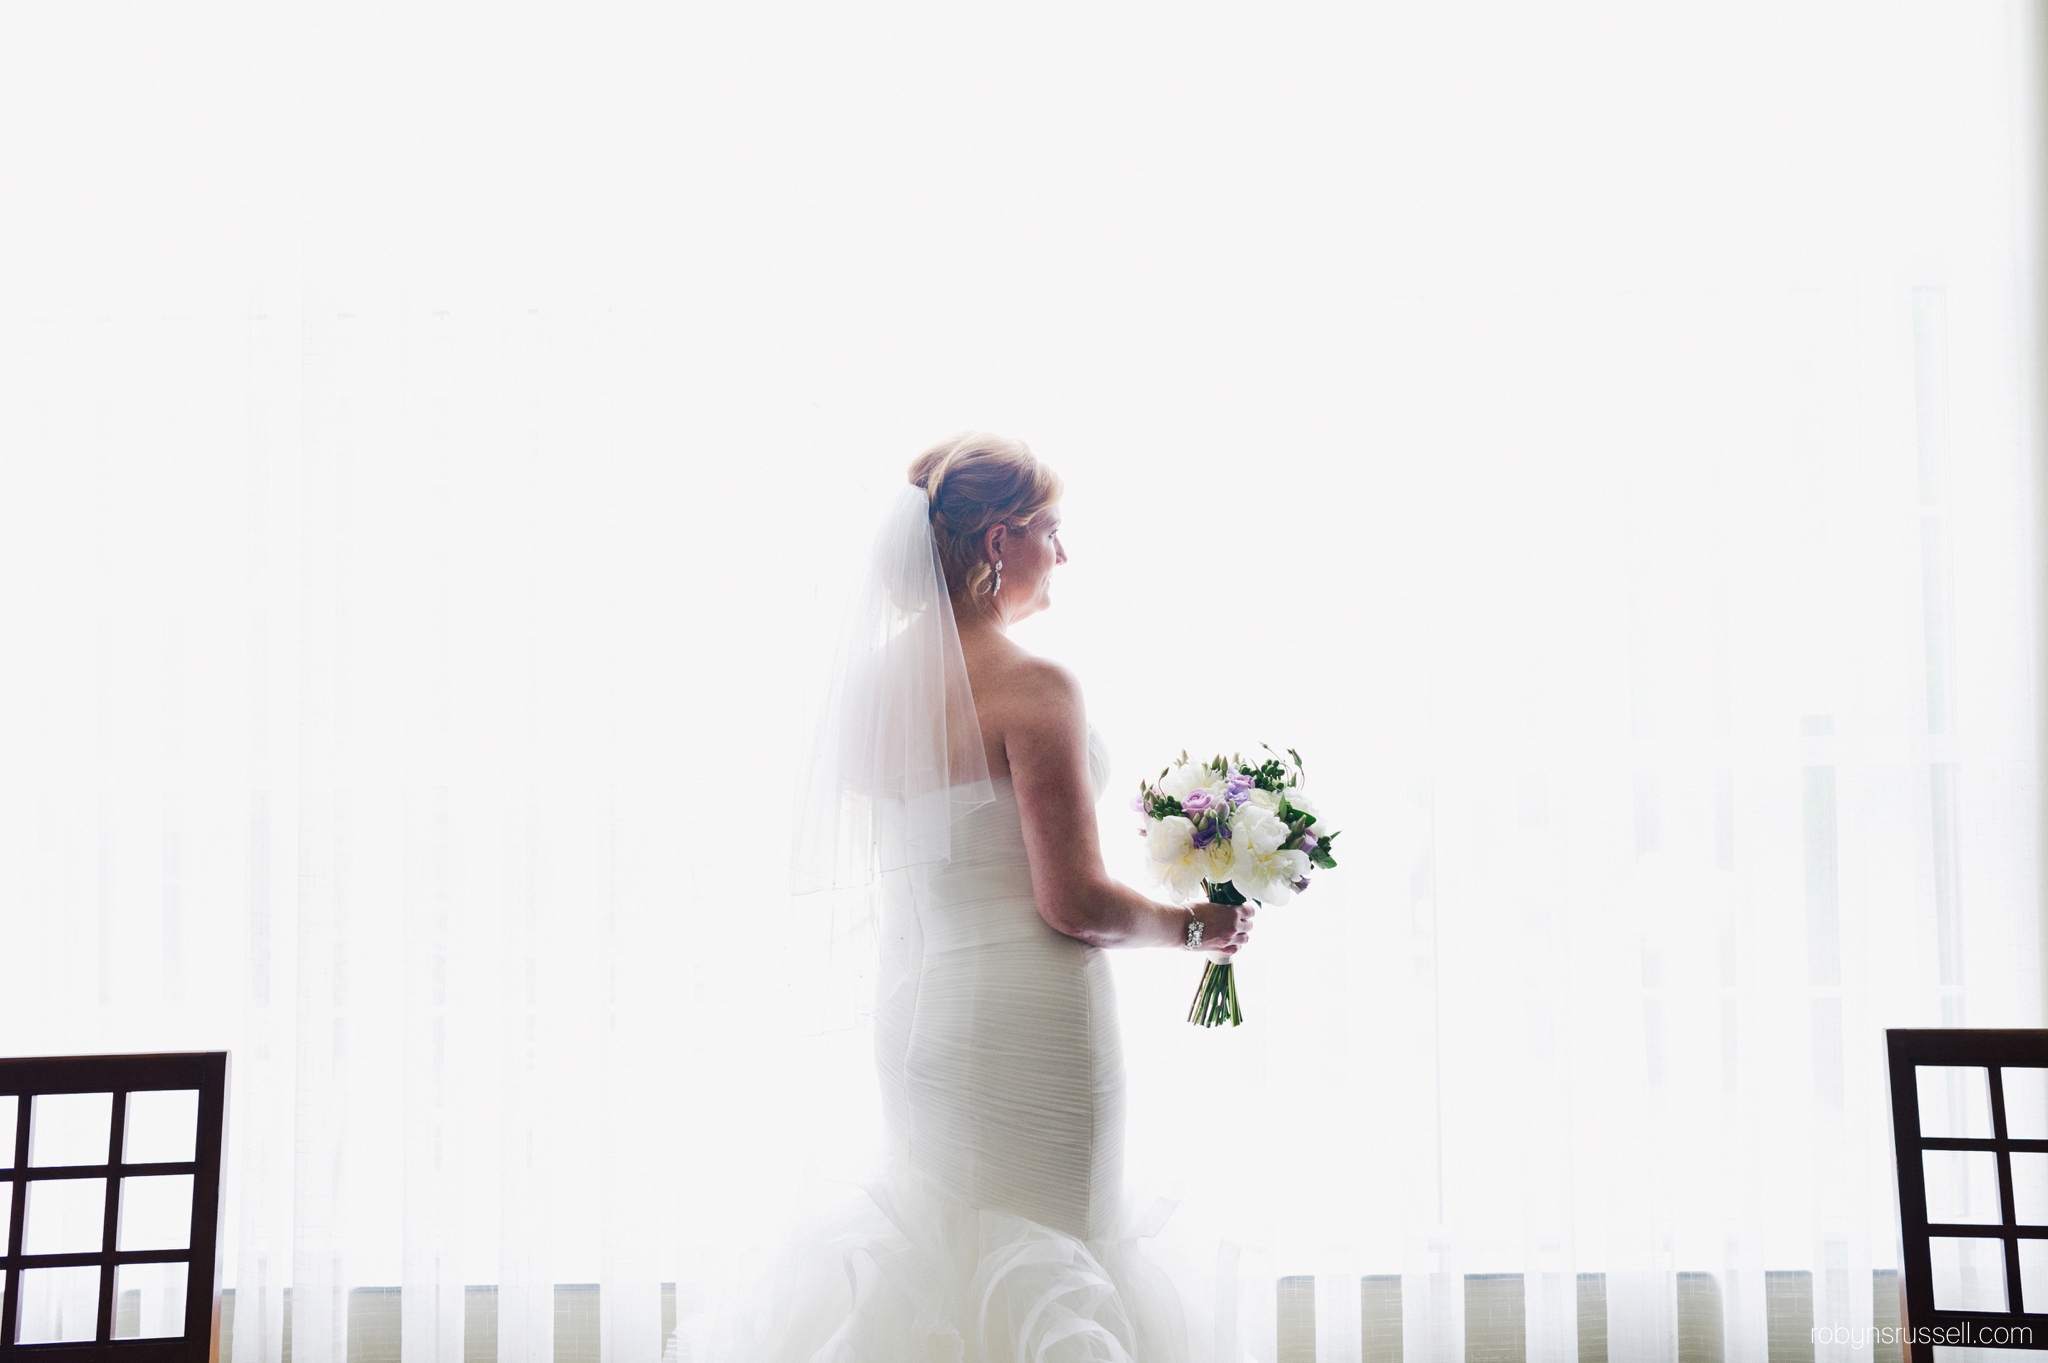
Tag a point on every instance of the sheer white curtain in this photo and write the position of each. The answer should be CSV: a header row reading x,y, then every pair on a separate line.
x,y
434,442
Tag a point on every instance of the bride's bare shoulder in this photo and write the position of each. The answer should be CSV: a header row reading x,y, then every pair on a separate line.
x,y
1026,691
1029,707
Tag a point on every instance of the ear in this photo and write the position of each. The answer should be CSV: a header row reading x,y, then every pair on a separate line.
x,y
993,541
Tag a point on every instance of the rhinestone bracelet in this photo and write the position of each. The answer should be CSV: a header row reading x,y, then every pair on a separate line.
x,y
1194,941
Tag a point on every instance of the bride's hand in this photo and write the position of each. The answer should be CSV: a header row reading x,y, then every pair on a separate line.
x,y
1225,927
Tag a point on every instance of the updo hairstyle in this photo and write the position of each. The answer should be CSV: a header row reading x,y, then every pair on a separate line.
x,y
974,481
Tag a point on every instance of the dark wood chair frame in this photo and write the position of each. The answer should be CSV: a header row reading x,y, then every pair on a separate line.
x,y
1992,1050
121,1075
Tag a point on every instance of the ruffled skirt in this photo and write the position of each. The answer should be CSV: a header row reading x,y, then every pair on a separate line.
x,y
903,1274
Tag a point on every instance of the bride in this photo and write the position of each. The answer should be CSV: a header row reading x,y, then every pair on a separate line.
x,y
959,772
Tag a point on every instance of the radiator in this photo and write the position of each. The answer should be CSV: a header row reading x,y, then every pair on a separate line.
x,y
1494,1314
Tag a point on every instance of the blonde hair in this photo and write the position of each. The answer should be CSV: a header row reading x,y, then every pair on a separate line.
x,y
973,481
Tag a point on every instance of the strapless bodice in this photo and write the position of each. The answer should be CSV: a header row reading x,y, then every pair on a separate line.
x,y
985,886
1098,763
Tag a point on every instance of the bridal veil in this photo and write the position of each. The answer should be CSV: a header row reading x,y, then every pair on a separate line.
x,y
898,754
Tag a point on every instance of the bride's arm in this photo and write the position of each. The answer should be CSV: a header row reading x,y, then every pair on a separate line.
x,y
1045,736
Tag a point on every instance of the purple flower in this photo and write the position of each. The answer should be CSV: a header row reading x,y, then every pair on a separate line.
x,y
1238,788
1309,842
1205,833
1197,800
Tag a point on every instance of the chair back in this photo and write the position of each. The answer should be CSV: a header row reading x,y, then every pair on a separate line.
x,y
1970,1133
110,1173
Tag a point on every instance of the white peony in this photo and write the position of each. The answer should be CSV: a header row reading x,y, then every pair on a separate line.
x,y
1178,863
1260,868
1304,805
1181,779
1267,800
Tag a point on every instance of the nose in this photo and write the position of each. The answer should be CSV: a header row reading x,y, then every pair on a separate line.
x,y
1060,550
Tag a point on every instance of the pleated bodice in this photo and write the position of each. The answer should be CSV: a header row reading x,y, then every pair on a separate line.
x,y
1000,1060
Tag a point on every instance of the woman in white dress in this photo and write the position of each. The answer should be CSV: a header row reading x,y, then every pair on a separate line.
x,y
962,770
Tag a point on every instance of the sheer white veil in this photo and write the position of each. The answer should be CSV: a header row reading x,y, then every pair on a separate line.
x,y
898,754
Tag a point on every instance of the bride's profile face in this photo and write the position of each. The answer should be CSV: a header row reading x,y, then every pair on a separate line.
x,y
1028,559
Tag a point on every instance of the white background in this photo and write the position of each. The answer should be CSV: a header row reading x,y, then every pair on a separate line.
x,y
431,441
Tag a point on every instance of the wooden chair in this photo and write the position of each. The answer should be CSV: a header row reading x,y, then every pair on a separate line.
x,y
68,1296
1989,1252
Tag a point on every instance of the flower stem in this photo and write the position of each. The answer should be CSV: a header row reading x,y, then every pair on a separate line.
x,y
1216,998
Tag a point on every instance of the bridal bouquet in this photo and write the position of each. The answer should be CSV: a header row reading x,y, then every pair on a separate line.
x,y
1236,831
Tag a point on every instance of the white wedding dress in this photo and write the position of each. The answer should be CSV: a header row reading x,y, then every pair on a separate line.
x,y
999,1231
